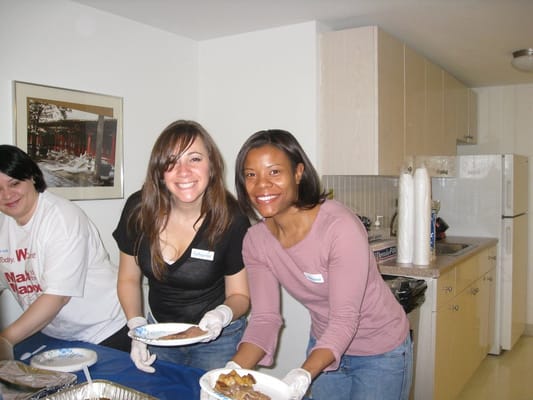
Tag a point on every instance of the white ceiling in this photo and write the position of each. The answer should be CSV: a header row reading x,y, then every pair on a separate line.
x,y
472,39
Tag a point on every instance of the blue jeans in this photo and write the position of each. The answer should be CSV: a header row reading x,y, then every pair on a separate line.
x,y
385,376
207,356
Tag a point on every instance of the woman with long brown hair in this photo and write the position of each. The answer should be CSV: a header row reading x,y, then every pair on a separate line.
x,y
183,231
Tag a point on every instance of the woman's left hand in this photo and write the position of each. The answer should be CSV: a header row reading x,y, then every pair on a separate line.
x,y
213,321
298,380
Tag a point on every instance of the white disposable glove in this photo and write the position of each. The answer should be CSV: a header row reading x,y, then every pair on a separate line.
x,y
213,321
298,380
232,365
139,351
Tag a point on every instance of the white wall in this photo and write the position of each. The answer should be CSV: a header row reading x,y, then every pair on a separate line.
x,y
505,122
234,86
60,43
261,80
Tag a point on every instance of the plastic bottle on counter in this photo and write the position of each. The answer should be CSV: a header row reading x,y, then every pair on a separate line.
x,y
435,207
377,230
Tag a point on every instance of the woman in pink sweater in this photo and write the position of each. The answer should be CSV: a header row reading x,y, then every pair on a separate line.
x,y
317,249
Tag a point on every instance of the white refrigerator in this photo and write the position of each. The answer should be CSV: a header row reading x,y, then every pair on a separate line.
x,y
488,197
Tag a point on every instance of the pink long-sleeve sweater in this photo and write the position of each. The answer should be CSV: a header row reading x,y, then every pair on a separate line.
x,y
333,273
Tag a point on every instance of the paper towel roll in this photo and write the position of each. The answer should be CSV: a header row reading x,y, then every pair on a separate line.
x,y
422,189
406,221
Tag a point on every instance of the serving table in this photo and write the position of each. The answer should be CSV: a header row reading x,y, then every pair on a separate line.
x,y
170,381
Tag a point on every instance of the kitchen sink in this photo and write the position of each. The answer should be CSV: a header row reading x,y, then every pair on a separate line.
x,y
451,249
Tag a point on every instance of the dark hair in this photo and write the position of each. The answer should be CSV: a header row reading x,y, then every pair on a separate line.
x,y
217,203
18,165
310,192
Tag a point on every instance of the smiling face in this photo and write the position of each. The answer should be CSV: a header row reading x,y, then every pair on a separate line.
x,y
271,183
188,177
18,199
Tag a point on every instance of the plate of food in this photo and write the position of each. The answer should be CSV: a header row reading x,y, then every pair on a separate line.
x,y
227,384
168,334
69,359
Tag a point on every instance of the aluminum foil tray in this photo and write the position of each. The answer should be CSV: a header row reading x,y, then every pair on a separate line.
x,y
19,381
101,389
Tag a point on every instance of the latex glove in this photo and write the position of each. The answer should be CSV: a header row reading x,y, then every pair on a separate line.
x,y
213,321
232,365
298,380
6,349
139,351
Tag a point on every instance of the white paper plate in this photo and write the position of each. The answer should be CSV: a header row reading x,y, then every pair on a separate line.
x,y
266,384
151,333
64,360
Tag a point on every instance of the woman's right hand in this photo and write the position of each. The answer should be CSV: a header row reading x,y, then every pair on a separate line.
x,y
139,354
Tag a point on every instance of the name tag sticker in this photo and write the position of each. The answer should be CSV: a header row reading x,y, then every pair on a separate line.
x,y
316,278
203,254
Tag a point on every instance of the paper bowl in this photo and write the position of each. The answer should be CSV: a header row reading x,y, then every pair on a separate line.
x,y
266,384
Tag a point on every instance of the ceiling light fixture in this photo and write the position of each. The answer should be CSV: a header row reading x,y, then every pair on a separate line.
x,y
523,60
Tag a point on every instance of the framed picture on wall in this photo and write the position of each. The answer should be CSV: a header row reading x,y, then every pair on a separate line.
x,y
74,136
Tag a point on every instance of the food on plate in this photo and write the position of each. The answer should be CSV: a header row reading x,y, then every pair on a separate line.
x,y
188,333
238,387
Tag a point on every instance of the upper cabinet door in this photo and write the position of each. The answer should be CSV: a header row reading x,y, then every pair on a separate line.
x,y
472,117
416,140
382,103
348,102
391,144
361,103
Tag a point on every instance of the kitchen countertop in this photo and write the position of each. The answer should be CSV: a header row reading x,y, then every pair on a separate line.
x,y
442,262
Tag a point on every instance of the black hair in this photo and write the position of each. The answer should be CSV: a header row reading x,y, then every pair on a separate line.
x,y
18,165
310,192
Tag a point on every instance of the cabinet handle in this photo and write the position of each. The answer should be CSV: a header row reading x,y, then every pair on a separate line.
x,y
448,289
492,258
474,291
454,307
487,278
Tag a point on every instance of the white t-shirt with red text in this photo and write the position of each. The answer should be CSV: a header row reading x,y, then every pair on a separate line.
x,y
59,251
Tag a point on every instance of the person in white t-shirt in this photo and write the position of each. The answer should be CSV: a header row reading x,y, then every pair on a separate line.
x,y
53,262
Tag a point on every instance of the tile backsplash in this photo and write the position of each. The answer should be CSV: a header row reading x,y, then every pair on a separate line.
x,y
365,195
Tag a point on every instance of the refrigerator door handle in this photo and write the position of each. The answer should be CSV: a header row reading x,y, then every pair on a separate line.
x,y
508,194
508,240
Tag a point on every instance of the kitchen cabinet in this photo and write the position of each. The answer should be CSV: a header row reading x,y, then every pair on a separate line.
x,y
424,108
460,110
464,322
442,142
416,133
456,321
361,102
471,137
381,103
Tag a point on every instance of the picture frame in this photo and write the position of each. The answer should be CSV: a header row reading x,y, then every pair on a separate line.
x,y
74,136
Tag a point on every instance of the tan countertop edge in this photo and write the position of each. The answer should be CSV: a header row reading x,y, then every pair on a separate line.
x,y
442,263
